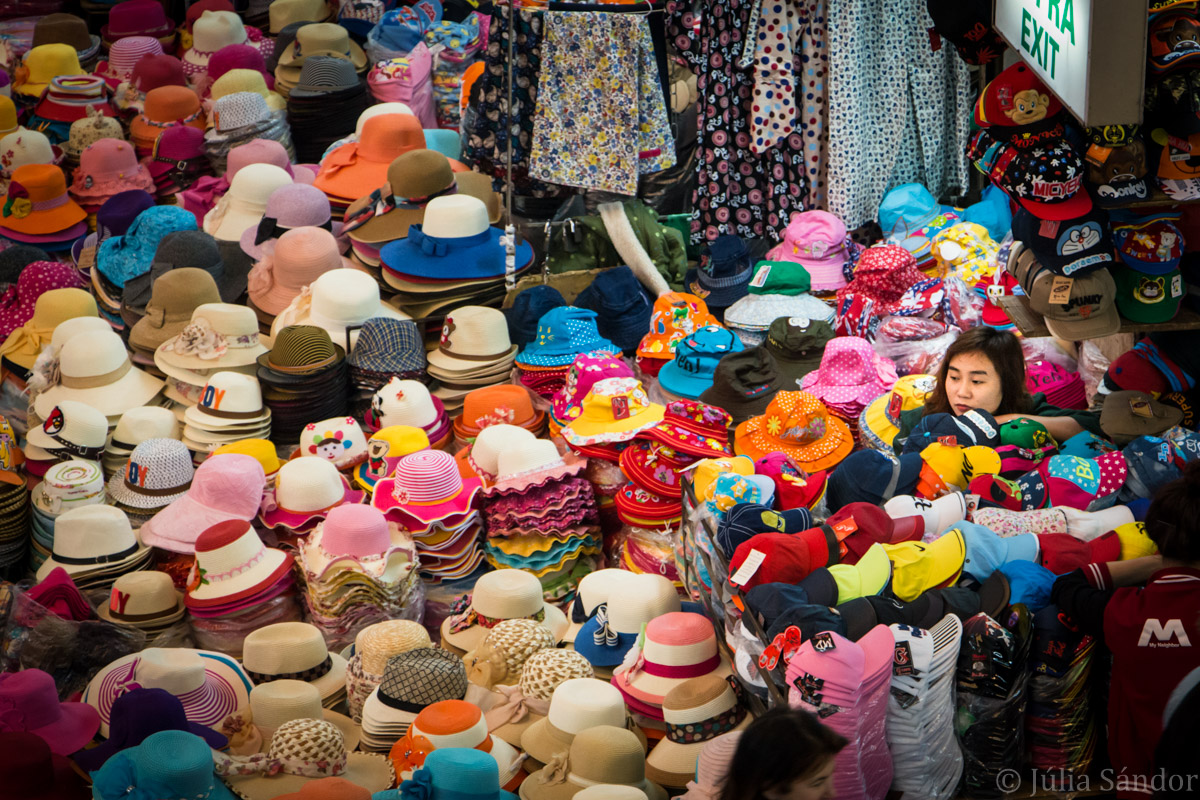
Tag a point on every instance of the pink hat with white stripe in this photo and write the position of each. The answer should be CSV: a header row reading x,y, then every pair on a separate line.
x,y
124,56
678,646
427,485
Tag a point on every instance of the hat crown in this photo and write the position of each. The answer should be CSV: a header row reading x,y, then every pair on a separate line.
x,y
177,670
493,442
612,397
48,60
455,216
231,392
508,594
428,476
321,72
178,293
796,417
698,699
229,320
146,422
405,402
215,29
308,741
513,640
345,297
180,760
494,405
93,531
143,593
377,643
283,648
608,754
546,669
240,81
298,205
260,151
679,638
26,147
465,772
170,103
238,110
476,331
582,703
184,249
423,676
420,173
385,136
302,346
160,464
308,484
74,480
274,703
641,599
254,183
355,530
77,423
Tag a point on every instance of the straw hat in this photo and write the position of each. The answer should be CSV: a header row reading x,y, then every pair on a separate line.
x,y
175,297
377,643
232,564
73,428
293,650
406,403
504,651
96,370
220,336
67,485
321,38
306,489
144,599
603,754
229,399
483,456
93,539
506,594
473,337
696,711
681,640
533,463
243,205
529,700
139,424
411,681
277,702
158,472
450,724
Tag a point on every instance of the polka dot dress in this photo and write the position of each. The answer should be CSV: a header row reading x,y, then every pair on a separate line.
x,y
774,103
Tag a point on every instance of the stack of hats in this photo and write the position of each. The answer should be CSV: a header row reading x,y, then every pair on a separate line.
x,y
427,497
68,99
622,306
295,651
108,168
358,168
567,403
412,679
385,448
304,491
95,544
359,570
778,289
340,301
239,118
321,39
541,516
146,600
322,107
165,107
674,316
221,337
66,485
302,378
72,429
386,349
562,334
850,377
15,505
120,259
177,160
410,403
817,241
1063,389
69,29
236,586
474,351
454,257
503,404
136,426
230,409
37,209
158,472
124,55
114,218
374,646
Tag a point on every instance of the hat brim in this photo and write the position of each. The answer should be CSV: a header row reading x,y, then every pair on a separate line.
x,y
1105,323
484,260
441,360
84,570
470,638
184,520
651,689
681,383
371,771
586,432
1075,206
750,440
395,224
133,389
383,500
269,570
533,789
673,765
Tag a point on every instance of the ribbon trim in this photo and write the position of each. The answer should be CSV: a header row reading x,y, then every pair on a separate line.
x,y
705,729
96,381
306,675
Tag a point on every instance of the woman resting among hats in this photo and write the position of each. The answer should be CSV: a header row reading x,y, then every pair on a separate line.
x,y
786,754
1147,612
985,369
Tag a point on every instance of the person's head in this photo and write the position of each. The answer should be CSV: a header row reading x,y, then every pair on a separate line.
x,y
985,369
786,754
1173,519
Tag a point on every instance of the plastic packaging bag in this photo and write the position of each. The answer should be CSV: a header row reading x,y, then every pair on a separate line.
x,y
1045,348
912,354
962,307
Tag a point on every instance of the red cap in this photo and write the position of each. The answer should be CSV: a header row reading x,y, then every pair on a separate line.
x,y
1062,552
790,557
860,525
1014,98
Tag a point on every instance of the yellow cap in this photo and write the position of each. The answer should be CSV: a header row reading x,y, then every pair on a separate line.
x,y
1134,541
386,447
260,450
706,471
957,466
8,115
918,567
866,578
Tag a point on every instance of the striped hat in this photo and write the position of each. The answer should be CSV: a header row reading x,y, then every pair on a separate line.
x,y
124,55
321,74
68,98
301,349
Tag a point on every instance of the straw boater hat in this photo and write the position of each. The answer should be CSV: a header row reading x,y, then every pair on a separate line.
x,y
275,703
576,705
603,754
696,712
293,650
505,594
144,599
519,706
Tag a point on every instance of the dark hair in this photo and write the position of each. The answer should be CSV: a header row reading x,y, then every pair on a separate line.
x,y
777,749
1175,755
1173,519
1004,351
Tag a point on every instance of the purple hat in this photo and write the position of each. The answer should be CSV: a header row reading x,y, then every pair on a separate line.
x,y
115,216
137,714
293,206
29,702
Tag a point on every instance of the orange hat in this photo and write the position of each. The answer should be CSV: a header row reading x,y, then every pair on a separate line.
x,y
166,106
675,316
796,424
328,789
37,203
359,168
505,403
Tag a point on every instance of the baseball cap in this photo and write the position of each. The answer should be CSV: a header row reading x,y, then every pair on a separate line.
x,y
1174,42
1116,172
859,526
975,427
986,551
789,557
938,515
1016,98
1088,525
1152,463
1046,180
746,520
1067,247
1154,247
1084,483
1085,444
872,476
768,601
994,491
1075,308
1134,541
1127,415
794,487
868,576
1148,298
1062,552
1027,433
1029,583
920,566
957,466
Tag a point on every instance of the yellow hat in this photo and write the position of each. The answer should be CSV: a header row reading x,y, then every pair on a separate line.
x,y
918,567
968,249
260,450
613,411
880,421
385,448
705,473
24,345
1134,541
8,115
44,62
247,80
866,578
957,466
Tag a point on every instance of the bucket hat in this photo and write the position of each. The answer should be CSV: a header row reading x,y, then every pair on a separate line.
x,y
225,487
385,448
724,274
170,763
322,38
96,370
355,537
306,489
817,241
743,383
778,289
31,771
146,600
696,357
276,702
190,249
686,642
293,650
452,724
339,440
87,130
232,564
210,685
413,178
851,373
615,410
388,347
158,472
454,773
601,755
674,316
289,207
504,404
243,205
45,62
564,333
67,29
527,308
799,425
506,594
120,258
37,203
693,428
359,168
623,307
33,700
696,712
585,371
455,239
106,168
530,464
176,296
138,714
165,107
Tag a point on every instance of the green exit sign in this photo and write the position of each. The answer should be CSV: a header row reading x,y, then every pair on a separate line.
x,y
1091,53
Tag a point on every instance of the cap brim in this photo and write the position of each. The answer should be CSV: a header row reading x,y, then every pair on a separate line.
x,y
1075,206
1105,323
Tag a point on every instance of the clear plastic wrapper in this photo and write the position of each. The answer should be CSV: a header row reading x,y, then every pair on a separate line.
x,y
1045,348
917,356
1092,366
226,634
963,307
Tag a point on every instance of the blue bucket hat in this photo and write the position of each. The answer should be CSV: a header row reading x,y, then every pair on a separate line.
x,y
562,334
992,212
130,255
113,218
696,358
393,346
622,306
871,476
907,209
452,773
528,307
724,274
167,764
987,552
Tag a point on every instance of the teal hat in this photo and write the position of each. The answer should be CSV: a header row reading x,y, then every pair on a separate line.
x,y
696,358
452,773
173,765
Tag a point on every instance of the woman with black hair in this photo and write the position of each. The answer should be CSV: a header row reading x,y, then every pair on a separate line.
x,y
786,754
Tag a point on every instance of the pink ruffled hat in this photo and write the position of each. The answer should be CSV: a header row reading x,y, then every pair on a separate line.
x,y
851,372
106,168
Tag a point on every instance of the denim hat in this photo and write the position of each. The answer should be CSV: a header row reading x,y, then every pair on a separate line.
x,y
1152,463
696,357
138,714
123,257
562,334
528,307
388,345
872,476
724,274
402,29
622,306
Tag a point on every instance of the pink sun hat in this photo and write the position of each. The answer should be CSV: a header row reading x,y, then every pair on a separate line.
x,y
427,486
124,55
677,646
225,487
31,694
306,490
817,241
586,369
357,538
850,372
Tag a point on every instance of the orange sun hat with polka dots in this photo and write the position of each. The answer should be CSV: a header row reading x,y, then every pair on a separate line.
x,y
796,424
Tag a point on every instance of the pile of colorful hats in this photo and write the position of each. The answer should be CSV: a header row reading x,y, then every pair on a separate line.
x,y
428,498
562,334
850,377
541,517
328,95
674,316
693,369
359,569
778,289
15,504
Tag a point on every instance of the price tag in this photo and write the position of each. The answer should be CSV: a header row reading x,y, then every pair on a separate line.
x,y
902,664
1098,154
1177,285
824,642
845,527
1060,290
750,566
760,277
1049,228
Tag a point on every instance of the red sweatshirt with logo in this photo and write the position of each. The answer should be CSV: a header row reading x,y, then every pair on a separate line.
x,y
1154,636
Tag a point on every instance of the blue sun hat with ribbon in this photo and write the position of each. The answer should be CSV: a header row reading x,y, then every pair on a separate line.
x,y
455,242
166,764
121,258
452,773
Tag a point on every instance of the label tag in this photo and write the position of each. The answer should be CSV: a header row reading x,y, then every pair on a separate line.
x,y
948,441
902,660
1176,285
1141,408
772,520
760,277
823,642
1049,228
845,527
1098,154
1060,290
750,566
620,407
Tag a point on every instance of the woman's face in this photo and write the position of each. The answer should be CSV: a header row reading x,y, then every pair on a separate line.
x,y
814,786
972,382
